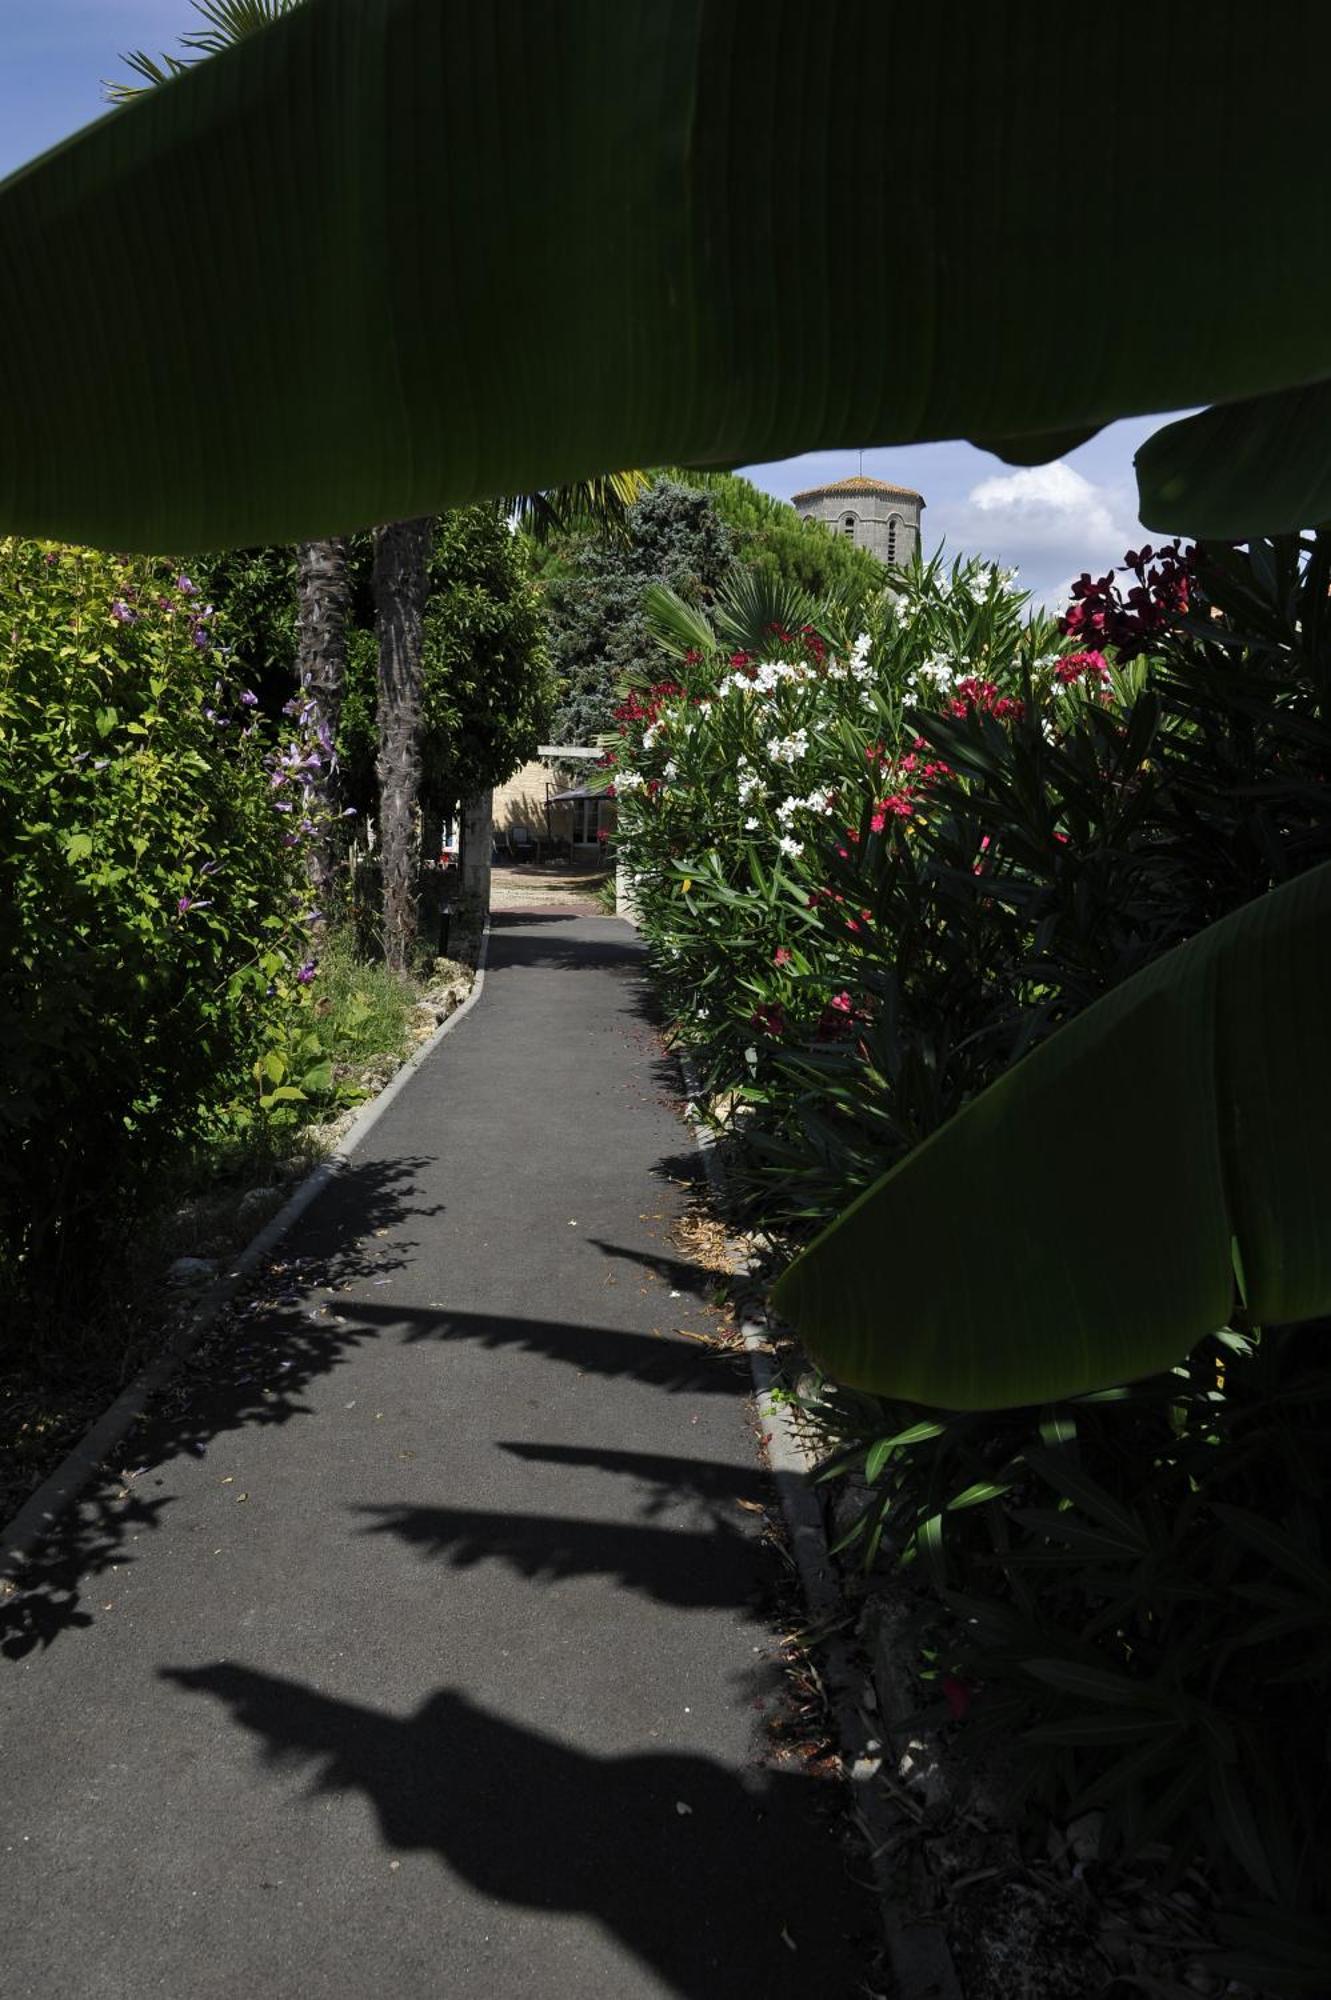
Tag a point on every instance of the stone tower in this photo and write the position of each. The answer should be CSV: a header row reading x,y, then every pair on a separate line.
x,y
883,519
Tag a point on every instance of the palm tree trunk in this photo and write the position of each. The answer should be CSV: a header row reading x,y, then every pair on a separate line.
x,y
401,584
322,598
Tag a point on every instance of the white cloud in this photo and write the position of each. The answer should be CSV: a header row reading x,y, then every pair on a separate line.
x,y
1048,521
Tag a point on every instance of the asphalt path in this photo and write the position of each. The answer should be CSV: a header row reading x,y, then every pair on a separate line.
x,y
421,1642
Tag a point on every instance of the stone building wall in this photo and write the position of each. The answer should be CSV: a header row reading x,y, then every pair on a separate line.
x,y
886,521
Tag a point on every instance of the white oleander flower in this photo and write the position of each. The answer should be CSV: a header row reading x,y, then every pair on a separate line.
x,y
750,824
788,845
788,749
671,769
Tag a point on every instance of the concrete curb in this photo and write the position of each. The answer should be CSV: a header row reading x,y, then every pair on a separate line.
x,y
41,1511
918,1954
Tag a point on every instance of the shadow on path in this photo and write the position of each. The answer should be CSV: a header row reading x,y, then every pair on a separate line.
x,y
724,1888
693,1571
675,1365
668,1479
693,1280
251,1367
549,952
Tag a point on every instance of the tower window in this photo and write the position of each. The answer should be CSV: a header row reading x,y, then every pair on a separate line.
x,y
848,526
892,527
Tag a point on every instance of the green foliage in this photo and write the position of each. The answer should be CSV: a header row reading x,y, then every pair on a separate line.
x,y
1136,1587
805,555
151,935
595,599
255,591
363,1012
487,682
871,885
488,686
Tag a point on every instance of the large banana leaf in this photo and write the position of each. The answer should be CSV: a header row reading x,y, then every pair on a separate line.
x,y
1268,459
1081,1222
391,255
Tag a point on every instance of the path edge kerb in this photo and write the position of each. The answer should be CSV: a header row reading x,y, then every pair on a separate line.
x,y
42,1510
921,1962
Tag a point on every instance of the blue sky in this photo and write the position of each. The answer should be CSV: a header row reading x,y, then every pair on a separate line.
x,y
1050,521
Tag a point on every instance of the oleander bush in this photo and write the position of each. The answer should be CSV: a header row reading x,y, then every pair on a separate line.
x,y
871,878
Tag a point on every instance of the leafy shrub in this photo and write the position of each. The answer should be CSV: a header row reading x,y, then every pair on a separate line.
x,y
869,886
152,941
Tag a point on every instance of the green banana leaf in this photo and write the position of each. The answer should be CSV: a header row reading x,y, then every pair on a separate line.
x,y
1267,459
1080,1223
388,256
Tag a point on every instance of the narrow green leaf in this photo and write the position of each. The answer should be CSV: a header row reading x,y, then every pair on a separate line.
x,y
1235,1820
976,1495
1277,1547
1092,1683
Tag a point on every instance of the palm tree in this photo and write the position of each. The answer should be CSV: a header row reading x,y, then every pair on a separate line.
x,y
401,585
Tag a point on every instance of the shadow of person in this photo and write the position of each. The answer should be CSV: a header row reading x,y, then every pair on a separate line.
x,y
723,1887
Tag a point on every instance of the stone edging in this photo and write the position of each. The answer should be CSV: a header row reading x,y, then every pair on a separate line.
x,y
56,1494
918,1954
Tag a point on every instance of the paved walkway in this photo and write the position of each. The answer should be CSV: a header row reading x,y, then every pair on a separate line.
x,y
424,1646
545,885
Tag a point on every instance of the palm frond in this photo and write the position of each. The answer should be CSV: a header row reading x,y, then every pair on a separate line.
x,y
225,22
601,503
676,626
754,605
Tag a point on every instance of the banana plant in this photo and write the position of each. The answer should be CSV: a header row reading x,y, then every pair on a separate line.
x,y
383,257
1156,1167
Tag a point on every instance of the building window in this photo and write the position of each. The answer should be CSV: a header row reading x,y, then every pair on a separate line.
x,y
892,527
848,526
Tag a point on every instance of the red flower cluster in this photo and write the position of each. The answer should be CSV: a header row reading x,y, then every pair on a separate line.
x,y
839,1018
1132,621
770,1018
973,693
636,709
910,766
1073,666
897,805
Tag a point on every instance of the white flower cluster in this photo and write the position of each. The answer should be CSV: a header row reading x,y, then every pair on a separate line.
x,y
938,672
749,782
788,749
671,769
768,677
816,802
857,668
789,845
650,735
627,781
